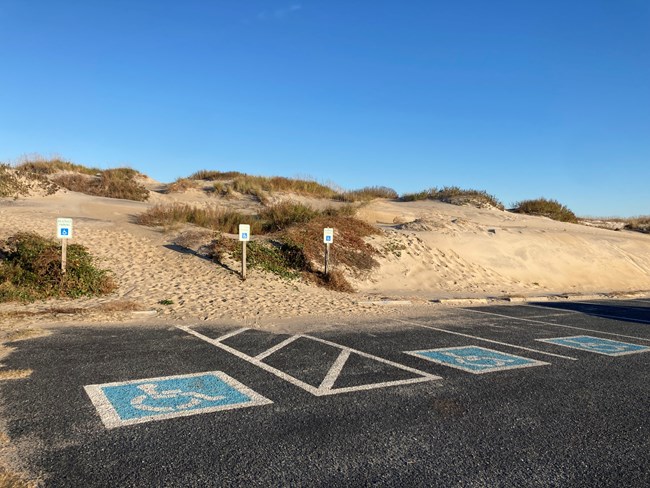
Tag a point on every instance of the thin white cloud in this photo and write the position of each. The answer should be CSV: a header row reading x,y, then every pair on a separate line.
x,y
281,13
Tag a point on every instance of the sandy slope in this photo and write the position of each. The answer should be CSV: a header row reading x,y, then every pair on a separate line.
x,y
452,250
429,250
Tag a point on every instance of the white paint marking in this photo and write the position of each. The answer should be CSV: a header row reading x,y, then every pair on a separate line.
x,y
334,371
276,348
231,334
567,312
555,325
486,340
309,388
111,419
376,358
280,374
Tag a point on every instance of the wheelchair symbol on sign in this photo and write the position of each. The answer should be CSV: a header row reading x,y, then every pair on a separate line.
x,y
64,232
482,361
151,393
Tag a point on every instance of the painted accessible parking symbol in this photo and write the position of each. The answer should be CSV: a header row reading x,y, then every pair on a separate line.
x,y
598,345
475,359
138,401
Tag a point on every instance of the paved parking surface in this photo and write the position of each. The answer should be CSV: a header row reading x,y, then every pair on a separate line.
x,y
547,394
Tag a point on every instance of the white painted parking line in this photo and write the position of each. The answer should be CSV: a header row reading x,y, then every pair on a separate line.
x,y
549,309
555,325
325,388
276,348
334,371
231,334
486,340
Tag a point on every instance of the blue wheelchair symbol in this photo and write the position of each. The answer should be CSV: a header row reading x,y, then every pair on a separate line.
x,y
598,345
475,359
64,231
328,238
133,402
244,235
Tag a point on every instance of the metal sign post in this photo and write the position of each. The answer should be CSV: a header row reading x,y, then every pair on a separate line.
x,y
64,232
328,238
244,237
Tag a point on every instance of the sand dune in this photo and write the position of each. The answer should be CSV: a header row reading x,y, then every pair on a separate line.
x,y
428,250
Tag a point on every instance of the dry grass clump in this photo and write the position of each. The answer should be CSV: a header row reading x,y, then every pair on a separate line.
x,y
284,214
15,374
214,218
271,219
456,196
638,224
50,166
350,248
545,208
180,185
15,183
209,175
111,183
30,269
367,194
9,479
258,185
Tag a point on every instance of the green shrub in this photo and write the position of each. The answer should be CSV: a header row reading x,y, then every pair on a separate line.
x,y
545,208
30,269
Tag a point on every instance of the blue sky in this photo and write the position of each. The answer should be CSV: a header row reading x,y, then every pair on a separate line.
x,y
519,98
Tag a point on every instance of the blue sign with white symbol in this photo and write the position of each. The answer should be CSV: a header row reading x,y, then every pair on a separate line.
x,y
133,402
244,235
598,345
328,238
64,231
475,359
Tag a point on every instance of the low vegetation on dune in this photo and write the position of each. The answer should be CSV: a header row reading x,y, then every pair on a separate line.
x,y
110,183
51,166
215,218
211,175
638,224
30,269
545,208
290,238
229,183
270,219
367,194
456,196
15,183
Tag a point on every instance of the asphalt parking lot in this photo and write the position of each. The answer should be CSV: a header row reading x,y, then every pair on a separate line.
x,y
545,394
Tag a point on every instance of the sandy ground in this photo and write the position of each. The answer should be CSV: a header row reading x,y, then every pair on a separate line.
x,y
429,250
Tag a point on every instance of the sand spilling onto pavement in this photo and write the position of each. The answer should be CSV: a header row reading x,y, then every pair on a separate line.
x,y
428,250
